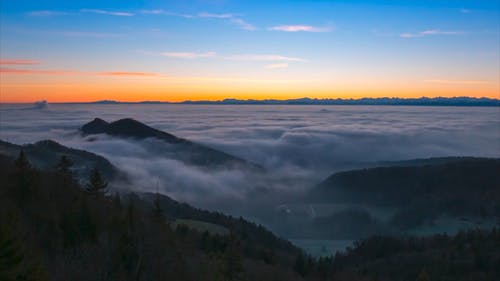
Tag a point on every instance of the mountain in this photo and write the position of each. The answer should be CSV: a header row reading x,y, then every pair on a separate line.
x,y
46,154
423,101
467,178
175,147
460,188
53,229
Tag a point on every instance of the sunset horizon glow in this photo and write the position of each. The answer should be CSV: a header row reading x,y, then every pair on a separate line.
x,y
175,51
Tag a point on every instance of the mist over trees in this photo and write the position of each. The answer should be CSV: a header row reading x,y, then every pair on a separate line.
x,y
54,228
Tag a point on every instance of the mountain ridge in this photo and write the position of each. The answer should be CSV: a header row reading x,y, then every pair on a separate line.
x,y
422,101
45,154
182,149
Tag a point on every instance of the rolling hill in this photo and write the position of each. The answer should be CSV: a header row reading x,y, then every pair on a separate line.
x,y
173,146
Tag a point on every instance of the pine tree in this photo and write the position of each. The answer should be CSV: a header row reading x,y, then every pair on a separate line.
x,y
423,276
157,210
64,165
96,184
15,261
64,168
233,262
22,163
24,176
300,265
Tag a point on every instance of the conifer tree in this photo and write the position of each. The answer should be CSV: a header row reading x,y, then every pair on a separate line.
x,y
157,210
96,184
23,174
64,168
423,276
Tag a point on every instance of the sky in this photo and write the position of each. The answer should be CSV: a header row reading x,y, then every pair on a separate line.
x,y
130,50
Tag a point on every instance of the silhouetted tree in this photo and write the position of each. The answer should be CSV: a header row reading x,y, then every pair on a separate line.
x,y
423,276
24,176
64,168
157,210
300,265
96,184
14,262
232,261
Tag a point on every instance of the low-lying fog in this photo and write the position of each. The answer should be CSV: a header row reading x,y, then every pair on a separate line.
x,y
298,145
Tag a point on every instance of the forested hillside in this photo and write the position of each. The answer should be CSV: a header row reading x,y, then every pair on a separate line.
x,y
53,228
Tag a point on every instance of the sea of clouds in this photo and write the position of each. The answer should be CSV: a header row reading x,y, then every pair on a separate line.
x,y
298,145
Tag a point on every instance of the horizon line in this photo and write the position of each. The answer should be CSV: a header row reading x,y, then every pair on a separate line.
x,y
232,101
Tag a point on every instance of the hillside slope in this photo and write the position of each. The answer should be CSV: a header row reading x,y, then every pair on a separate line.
x,y
174,147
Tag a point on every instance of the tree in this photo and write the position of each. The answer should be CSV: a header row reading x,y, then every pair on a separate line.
x,y
232,261
64,168
300,265
15,261
64,165
157,210
96,184
22,163
24,175
423,276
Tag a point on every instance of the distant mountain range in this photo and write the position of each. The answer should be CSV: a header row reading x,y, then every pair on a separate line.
x,y
423,101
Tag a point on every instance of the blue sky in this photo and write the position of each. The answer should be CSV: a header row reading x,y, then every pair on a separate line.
x,y
276,49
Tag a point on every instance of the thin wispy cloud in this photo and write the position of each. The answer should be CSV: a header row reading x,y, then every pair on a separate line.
x,y
277,66
259,57
242,24
215,16
47,13
19,62
165,13
430,32
19,71
233,19
105,12
456,82
189,55
76,33
128,73
38,71
465,11
300,28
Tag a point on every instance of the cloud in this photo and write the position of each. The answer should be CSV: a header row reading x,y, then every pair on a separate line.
x,y
243,24
215,16
465,11
299,145
264,57
76,72
188,55
105,12
229,17
76,33
295,143
277,66
19,62
125,73
430,32
38,71
299,28
166,13
457,82
47,13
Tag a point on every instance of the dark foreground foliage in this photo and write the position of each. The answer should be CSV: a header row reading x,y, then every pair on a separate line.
x,y
54,228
